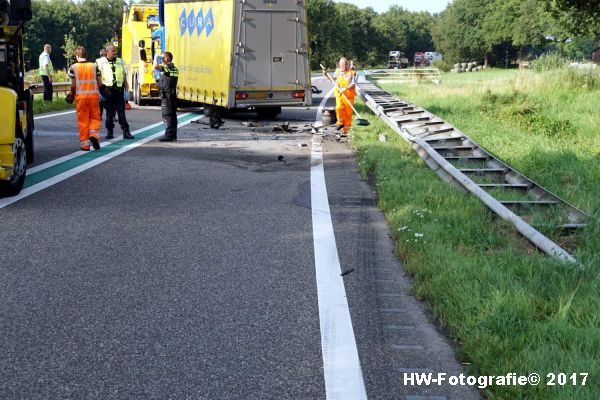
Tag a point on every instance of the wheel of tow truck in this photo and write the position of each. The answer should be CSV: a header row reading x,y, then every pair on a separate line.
x,y
141,100
13,186
268,112
30,126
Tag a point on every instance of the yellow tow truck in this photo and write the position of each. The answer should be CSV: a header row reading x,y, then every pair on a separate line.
x,y
16,112
139,21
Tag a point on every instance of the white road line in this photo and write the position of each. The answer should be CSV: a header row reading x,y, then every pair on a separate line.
x,y
341,365
53,115
72,172
59,160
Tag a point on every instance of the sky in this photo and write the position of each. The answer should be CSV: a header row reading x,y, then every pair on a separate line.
x,y
433,6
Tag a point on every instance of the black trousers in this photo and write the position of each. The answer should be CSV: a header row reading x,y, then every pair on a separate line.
x,y
168,103
115,104
47,88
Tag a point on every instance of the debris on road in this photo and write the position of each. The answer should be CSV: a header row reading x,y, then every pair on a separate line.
x,y
251,124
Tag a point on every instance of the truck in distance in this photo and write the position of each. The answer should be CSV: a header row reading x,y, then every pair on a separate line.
x,y
431,57
397,59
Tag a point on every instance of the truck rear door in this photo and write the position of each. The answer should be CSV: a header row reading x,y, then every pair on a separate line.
x,y
270,59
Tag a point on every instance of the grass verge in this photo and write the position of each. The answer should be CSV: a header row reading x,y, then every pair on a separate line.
x,y
507,307
58,103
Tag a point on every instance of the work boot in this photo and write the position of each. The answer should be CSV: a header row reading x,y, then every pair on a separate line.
x,y
95,143
127,135
167,139
109,135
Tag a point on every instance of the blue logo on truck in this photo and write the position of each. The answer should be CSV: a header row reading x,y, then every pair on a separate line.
x,y
200,22
209,23
191,22
196,21
182,23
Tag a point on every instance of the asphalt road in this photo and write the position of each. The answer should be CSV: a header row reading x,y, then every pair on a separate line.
x,y
187,271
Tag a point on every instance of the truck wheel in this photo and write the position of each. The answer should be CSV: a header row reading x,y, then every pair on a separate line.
x,y
13,186
30,126
268,112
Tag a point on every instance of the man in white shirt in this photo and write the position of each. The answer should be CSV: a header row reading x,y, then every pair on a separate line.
x,y
46,70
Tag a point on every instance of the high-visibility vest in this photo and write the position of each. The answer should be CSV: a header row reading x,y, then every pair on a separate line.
x,y
45,60
106,71
86,84
169,75
344,79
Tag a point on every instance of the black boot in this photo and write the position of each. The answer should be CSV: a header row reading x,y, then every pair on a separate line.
x,y
166,138
110,135
127,135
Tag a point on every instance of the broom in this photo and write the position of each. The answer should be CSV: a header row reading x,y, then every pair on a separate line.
x,y
360,121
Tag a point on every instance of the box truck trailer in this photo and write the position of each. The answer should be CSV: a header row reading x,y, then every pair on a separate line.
x,y
238,54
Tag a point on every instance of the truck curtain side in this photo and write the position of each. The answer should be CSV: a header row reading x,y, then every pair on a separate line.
x,y
240,54
139,21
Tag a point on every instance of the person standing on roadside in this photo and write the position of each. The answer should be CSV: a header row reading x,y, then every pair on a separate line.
x,y
85,82
115,91
167,84
46,71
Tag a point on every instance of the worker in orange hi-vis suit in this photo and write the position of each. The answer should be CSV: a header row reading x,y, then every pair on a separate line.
x,y
85,81
346,81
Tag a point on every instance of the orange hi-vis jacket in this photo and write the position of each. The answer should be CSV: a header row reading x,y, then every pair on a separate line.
x,y
86,84
87,97
342,108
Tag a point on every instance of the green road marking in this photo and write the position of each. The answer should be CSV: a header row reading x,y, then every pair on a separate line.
x,y
67,165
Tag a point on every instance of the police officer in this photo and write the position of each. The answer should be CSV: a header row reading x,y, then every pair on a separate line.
x,y
114,89
167,83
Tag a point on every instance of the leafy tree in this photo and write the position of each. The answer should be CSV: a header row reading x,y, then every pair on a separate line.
x,y
403,30
583,15
69,47
358,36
54,19
459,32
323,24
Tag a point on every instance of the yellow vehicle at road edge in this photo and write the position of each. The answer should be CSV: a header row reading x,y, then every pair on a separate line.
x,y
16,112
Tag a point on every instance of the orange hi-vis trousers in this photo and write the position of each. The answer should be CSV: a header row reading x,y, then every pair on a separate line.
x,y
88,120
342,108
87,97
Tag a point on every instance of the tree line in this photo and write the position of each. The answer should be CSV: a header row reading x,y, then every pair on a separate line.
x,y
496,31
65,23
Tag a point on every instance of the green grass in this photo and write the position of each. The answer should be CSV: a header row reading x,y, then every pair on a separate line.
x,y
506,306
57,104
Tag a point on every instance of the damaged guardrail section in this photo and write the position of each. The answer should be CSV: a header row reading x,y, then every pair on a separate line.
x,y
439,144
